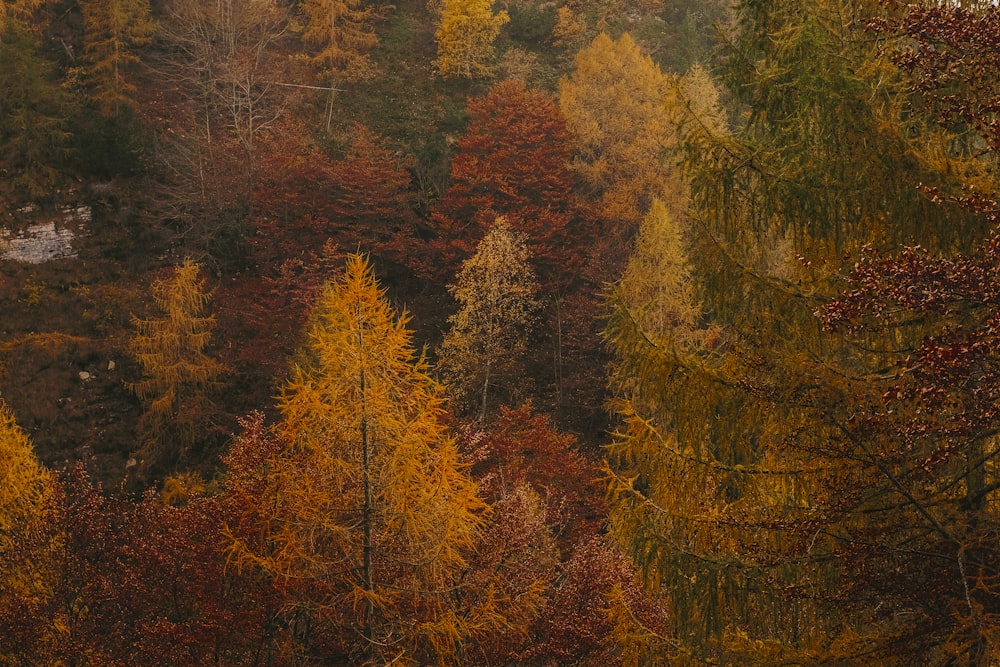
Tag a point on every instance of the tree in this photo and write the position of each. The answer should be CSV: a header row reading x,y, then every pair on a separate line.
x,y
511,127
368,513
496,289
465,36
113,30
28,496
340,32
177,371
754,478
34,114
613,105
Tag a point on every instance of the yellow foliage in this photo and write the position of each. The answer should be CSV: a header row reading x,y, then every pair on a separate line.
x,y
171,349
369,499
614,105
25,484
465,37
113,30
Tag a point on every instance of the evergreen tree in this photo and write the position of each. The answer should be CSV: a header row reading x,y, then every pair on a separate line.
x,y
368,513
34,113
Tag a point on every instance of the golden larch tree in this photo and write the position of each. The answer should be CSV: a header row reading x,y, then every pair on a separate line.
x,y
496,289
465,37
177,371
114,29
368,512
614,105
28,498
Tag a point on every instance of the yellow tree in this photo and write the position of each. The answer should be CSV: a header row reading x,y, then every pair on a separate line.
x,y
465,36
496,288
27,497
171,350
614,105
113,31
368,513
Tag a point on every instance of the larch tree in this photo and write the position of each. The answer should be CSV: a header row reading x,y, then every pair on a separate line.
x,y
368,512
340,33
496,289
171,349
625,142
114,29
28,496
748,480
465,35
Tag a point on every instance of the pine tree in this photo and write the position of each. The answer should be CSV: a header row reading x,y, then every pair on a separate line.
x,y
465,36
171,350
368,513
496,289
113,31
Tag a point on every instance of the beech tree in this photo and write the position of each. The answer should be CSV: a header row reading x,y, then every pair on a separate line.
x,y
113,31
171,349
510,127
367,510
496,289
465,35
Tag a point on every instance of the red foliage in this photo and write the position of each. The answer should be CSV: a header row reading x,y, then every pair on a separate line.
x,y
303,197
136,583
513,160
522,447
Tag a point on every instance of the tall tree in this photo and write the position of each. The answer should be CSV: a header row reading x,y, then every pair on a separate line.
x,y
746,480
114,29
369,514
34,114
510,127
171,349
340,32
613,104
465,35
496,289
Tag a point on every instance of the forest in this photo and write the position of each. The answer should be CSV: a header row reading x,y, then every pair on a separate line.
x,y
528,332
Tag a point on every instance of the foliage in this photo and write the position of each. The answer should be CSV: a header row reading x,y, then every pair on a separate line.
x,y
754,478
114,29
496,289
177,370
465,36
613,104
511,127
367,512
33,120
